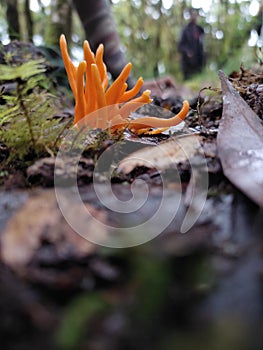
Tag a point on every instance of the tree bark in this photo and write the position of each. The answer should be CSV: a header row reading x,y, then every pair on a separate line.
x,y
100,27
60,22
29,21
12,18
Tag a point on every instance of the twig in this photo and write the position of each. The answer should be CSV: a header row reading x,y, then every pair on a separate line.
x,y
24,109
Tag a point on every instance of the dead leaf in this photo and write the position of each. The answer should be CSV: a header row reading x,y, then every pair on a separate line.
x,y
240,143
38,220
163,156
42,171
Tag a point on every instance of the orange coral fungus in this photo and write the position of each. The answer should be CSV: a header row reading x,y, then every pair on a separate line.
x,y
89,84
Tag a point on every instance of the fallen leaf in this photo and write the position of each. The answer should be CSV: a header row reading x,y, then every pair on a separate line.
x,y
38,220
42,171
240,143
166,155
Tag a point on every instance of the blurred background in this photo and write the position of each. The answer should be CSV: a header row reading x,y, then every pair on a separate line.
x,y
149,30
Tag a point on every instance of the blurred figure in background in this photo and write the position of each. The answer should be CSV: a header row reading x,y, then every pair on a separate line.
x,y
191,47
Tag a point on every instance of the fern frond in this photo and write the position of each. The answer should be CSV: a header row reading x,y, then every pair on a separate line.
x,y
27,113
24,71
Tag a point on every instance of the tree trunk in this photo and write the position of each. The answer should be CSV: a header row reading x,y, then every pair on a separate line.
x,y
157,42
29,21
12,18
100,27
60,22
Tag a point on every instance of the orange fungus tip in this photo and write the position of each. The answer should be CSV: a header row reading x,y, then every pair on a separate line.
x,y
89,84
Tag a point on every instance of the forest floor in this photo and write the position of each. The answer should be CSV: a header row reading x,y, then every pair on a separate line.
x,y
164,286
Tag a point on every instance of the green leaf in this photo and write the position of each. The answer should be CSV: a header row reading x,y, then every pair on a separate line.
x,y
74,323
25,71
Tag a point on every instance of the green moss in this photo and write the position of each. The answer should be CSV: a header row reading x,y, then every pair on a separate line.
x,y
28,125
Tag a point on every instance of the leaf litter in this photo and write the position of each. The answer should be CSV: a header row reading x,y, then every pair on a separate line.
x,y
240,143
20,248
174,270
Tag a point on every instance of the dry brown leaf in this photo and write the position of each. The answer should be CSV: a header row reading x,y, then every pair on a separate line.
x,y
240,143
163,156
37,220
